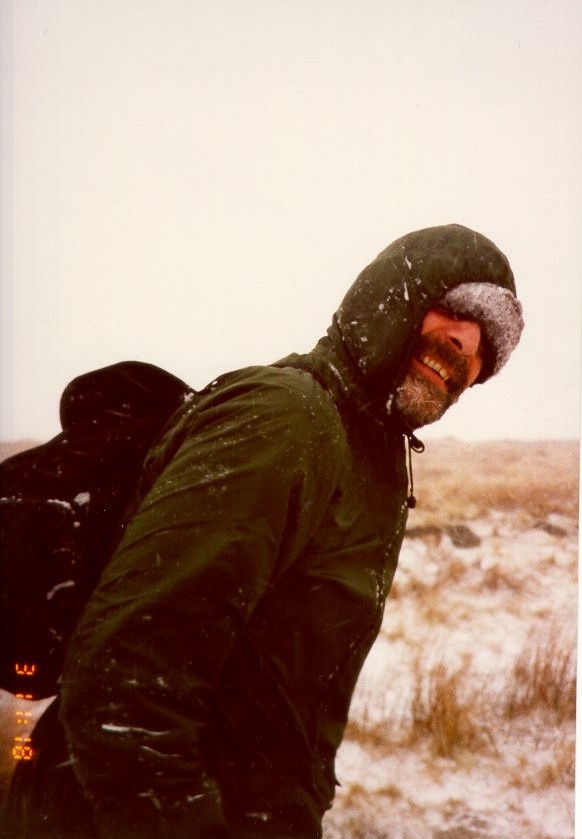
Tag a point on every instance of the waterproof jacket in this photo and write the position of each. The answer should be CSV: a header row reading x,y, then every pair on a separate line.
x,y
207,687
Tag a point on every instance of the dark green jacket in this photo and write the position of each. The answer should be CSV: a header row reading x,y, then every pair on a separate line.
x,y
230,627
207,687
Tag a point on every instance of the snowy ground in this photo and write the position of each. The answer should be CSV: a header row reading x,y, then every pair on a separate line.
x,y
463,722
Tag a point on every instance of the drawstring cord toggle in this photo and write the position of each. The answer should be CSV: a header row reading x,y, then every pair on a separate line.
x,y
412,444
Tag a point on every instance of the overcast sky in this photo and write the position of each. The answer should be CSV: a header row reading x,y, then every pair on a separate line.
x,y
197,184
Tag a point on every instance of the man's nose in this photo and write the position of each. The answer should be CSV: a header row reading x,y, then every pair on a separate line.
x,y
465,335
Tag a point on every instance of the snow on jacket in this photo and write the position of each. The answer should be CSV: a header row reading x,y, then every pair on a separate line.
x,y
207,686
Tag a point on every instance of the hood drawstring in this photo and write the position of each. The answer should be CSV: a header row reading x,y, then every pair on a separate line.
x,y
412,444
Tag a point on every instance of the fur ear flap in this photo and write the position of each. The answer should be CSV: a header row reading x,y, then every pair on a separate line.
x,y
499,314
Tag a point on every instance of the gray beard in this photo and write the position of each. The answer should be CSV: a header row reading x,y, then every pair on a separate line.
x,y
420,401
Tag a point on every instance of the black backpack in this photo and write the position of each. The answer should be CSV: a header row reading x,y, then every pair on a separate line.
x,y
62,507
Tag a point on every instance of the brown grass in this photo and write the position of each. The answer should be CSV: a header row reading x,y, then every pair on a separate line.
x,y
443,709
466,480
544,677
457,714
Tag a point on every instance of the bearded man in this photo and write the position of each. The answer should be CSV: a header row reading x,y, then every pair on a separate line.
x,y
207,685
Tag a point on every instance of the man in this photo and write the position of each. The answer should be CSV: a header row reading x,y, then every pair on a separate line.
x,y
207,686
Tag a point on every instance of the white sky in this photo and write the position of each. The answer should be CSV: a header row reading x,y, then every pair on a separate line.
x,y
197,184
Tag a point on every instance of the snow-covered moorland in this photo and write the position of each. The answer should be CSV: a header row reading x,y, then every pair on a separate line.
x,y
463,721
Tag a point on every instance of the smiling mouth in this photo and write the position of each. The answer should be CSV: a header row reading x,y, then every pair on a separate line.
x,y
440,364
436,367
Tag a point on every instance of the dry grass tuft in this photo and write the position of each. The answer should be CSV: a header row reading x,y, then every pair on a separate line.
x,y
544,677
372,736
443,710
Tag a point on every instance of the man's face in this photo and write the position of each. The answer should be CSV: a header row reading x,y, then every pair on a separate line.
x,y
446,359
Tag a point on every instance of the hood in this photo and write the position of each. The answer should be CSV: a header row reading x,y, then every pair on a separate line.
x,y
381,314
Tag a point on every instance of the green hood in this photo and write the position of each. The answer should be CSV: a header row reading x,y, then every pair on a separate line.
x,y
383,310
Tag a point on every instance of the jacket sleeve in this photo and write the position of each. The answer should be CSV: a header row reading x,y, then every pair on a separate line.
x,y
235,505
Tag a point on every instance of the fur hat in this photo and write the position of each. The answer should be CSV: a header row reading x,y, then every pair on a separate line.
x,y
499,314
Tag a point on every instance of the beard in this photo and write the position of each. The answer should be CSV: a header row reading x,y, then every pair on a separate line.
x,y
421,401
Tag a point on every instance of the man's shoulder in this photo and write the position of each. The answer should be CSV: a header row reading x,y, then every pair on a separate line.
x,y
290,393
295,384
